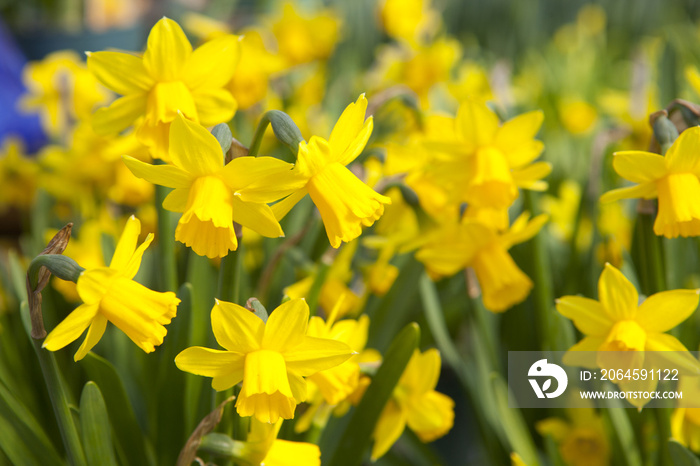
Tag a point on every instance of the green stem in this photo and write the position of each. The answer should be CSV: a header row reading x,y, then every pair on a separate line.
x,y
651,253
229,276
317,286
542,292
61,409
166,242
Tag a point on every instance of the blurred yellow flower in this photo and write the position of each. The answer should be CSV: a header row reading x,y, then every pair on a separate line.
x,y
18,176
111,294
204,189
257,65
582,441
271,358
672,178
61,89
563,210
577,116
304,39
415,403
169,78
685,427
408,20
455,246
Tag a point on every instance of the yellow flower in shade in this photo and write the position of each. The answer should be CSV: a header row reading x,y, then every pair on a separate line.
x,y
262,447
577,116
345,202
301,40
335,285
270,358
415,403
18,176
492,160
672,178
474,244
563,210
61,89
169,78
111,294
582,441
685,427
408,20
617,323
204,189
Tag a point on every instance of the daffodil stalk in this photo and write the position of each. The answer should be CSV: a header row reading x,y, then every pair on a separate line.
x,y
166,243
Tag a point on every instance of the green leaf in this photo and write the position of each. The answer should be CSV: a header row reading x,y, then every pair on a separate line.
x,y
358,432
127,431
513,423
624,431
681,456
21,436
94,421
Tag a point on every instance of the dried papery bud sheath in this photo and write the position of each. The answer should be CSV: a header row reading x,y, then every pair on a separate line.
x,y
40,271
209,423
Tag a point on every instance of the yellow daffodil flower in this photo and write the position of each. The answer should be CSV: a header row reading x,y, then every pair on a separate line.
x,y
257,65
492,160
672,178
685,427
577,116
415,403
60,88
345,202
302,39
111,294
270,358
582,441
18,176
408,20
204,189
169,78
563,210
262,447
618,323
474,244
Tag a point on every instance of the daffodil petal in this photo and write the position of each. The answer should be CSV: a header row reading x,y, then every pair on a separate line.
x,y
431,416
126,244
132,267
283,207
71,328
225,367
236,328
121,72
193,148
617,294
213,63
476,123
256,216
584,353
678,354
298,386
286,327
518,130
316,354
176,201
639,166
167,50
388,429
119,115
529,230
214,106
588,315
164,175
529,175
94,334
92,284
422,372
662,311
262,179
682,156
645,190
